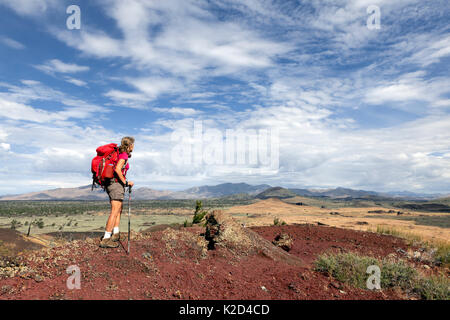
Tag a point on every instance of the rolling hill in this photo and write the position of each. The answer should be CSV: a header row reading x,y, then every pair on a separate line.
x,y
276,192
226,189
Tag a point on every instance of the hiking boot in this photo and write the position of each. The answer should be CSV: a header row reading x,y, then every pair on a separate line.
x,y
115,236
108,243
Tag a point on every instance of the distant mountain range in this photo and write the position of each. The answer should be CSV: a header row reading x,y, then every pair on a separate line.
x,y
229,190
143,193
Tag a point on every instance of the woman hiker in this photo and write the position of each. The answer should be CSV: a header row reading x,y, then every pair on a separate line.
x,y
116,192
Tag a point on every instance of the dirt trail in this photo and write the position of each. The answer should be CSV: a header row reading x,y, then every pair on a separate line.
x,y
176,264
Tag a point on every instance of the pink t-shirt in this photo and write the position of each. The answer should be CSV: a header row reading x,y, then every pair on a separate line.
x,y
124,156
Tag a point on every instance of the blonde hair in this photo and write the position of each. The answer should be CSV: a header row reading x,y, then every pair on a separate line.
x,y
125,144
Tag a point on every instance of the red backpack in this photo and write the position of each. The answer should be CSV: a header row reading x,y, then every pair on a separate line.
x,y
104,164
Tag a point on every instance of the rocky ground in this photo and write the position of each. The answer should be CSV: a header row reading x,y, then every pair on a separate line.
x,y
222,261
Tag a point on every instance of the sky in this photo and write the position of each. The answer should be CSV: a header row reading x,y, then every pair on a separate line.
x,y
332,93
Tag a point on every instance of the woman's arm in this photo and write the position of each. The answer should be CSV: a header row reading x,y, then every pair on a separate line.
x,y
119,171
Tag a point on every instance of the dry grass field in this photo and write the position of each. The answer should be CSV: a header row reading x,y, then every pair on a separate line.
x,y
367,219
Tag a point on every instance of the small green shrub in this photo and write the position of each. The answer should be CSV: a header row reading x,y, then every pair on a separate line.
x,y
442,254
198,217
442,249
199,213
397,274
346,267
351,268
187,224
278,222
39,223
433,288
15,224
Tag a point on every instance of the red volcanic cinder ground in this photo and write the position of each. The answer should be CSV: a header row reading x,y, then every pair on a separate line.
x,y
176,264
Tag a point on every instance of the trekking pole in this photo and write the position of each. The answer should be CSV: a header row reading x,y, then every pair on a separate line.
x,y
129,224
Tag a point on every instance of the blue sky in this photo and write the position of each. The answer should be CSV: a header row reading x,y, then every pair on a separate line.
x,y
354,107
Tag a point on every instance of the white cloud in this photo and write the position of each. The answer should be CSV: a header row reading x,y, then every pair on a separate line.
x,y
128,99
424,49
190,40
95,43
12,43
3,134
179,111
410,87
18,111
15,104
30,7
77,82
57,66
394,92
5,146
149,89
313,154
152,87
45,163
